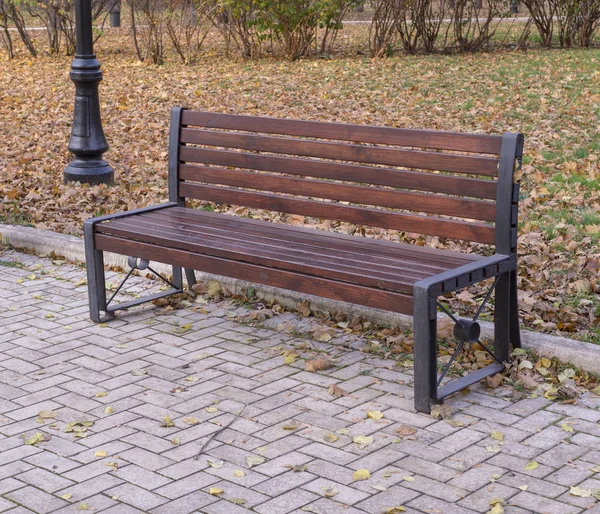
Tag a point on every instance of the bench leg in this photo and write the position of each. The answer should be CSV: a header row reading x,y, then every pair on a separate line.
x,y
95,278
177,277
515,329
502,317
190,276
425,347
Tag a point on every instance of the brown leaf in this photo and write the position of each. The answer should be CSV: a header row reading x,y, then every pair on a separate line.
x,y
336,391
317,365
494,381
406,430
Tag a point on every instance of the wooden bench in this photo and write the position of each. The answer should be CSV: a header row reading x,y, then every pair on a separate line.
x,y
450,185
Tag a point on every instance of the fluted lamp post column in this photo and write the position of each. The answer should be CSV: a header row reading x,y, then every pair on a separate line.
x,y
88,142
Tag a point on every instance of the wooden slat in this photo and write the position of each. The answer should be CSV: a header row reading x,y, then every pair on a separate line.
x,y
317,240
435,183
381,299
412,223
433,204
315,265
477,143
280,244
464,164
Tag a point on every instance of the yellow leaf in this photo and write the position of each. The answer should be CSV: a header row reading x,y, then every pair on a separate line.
x,y
330,438
545,362
100,453
496,509
192,379
493,449
375,414
361,439
523,487
596,390
38,437
191,421
67,496
83,506
361,474
254,460
290,359
239,473
211,409
532,465
408,478
49,315
175,441
167,422
101,394
498,436
394,510
579,491
329,491
20,281
566,427
109,410
215,491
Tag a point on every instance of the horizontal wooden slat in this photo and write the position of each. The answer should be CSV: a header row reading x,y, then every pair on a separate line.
x,y
284,242
280,257
433,204
381,299
477,143
314,240
464,164
412,223
435,183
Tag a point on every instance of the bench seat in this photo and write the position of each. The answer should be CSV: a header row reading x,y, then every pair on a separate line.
x,y
295,252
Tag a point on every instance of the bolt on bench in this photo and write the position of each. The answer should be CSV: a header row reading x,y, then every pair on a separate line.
x,y
451,185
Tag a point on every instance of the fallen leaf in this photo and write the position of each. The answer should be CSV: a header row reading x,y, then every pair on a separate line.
x,y
218,464
36,438
47,414
329,491
454,423
191,421
138,372
498,436
408,478
532,465
375,414
239,473
290,359
109,410
317,365
394,510
342,431
83,506
167,422
293,425
67,496
523,487
101,394
215,491
238,501
336,391
192,379
361,439
579,491
211,409
406,431
441,412
493,449
254,460
566,427
330,438
361,474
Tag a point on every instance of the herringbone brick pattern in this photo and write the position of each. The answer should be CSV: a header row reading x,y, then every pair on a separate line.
x,y
229,396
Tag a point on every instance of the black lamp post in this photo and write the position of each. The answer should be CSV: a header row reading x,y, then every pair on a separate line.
x,y
87,137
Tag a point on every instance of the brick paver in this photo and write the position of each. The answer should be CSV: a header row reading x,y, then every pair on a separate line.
x,y
223,385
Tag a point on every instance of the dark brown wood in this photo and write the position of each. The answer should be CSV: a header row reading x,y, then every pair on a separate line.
x,y
462,142
283,247
318,265
430,225
381,299
464,164
418,181
433,204
317,240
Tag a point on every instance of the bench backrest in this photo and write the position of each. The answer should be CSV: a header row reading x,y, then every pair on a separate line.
x,y
422,181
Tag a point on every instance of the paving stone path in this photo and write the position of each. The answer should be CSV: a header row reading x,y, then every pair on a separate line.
x,y
229,395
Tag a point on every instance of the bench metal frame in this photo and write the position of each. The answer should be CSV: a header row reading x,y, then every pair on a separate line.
x,y
427,383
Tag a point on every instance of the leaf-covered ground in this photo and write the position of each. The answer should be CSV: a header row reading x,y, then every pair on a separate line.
x,y
553,97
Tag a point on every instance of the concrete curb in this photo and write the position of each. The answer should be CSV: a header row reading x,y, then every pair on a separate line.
x,y
584,355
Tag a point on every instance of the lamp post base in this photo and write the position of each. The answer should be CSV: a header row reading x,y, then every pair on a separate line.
x,y
93,171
